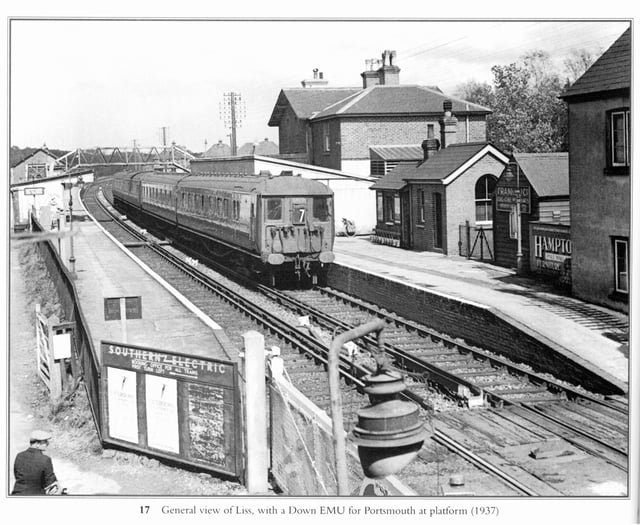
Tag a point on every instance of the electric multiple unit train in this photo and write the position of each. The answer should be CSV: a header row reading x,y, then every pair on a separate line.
x,y
279,227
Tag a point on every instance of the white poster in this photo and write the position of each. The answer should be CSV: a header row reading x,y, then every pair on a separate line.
x,y
162,413
122,404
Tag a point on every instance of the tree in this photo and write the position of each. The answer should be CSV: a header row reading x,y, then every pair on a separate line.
x,y
578,61
527,114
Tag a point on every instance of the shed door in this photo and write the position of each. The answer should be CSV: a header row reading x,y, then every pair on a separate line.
x,y
405,235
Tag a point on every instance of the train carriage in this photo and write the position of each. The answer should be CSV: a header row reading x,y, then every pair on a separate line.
x,y
278,226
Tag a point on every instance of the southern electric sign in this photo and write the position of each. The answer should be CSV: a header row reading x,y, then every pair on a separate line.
x,y
178,406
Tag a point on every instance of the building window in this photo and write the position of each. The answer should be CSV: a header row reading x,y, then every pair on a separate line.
x,y
437,220
421,214
485,188
379,207
388,207
325,137
621,264
618,142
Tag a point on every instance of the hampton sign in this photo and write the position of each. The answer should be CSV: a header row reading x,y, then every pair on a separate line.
x,y
550,248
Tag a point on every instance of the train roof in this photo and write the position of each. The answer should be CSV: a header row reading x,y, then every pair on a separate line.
x,y
260,184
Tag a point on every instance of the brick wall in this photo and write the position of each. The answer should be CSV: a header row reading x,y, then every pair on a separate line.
x,y
461,198
360,133
292,133
477,326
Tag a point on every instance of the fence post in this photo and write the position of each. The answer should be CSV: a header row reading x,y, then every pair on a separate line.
x,y
467,230
255,412
55,375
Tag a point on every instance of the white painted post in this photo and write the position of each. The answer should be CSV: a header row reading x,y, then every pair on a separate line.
x,y
123,319
55,375
255,412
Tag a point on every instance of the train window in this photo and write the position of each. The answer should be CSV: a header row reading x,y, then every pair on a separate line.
x,y
321,208
225,210
299,214
274,209
236,210
202,203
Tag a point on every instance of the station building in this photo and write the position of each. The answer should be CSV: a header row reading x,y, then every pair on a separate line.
x,y
40,164
539,183
599,177
432,204
335,127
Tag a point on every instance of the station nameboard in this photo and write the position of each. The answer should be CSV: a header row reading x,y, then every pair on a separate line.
x,y
173,405
34,191
507,198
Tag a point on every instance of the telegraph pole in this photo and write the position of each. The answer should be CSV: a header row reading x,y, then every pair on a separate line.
x,y
232,112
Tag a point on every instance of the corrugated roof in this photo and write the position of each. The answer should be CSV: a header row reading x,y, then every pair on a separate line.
x,y
612,71
398,152
381,99
548,173
306,101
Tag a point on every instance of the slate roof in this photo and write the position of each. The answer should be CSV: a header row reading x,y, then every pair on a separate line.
x,y
399,152
266,147
548,173
17,158
394,100
612,71
220,149
306,101
435,169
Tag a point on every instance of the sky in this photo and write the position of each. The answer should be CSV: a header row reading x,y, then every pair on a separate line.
x,y
84,83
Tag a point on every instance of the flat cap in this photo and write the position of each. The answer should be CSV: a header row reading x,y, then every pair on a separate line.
x,y
40,435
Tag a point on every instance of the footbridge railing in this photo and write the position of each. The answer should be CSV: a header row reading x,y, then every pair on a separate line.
x,y
172,156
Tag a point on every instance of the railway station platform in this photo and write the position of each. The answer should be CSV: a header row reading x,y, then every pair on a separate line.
x,y
593,336
104,269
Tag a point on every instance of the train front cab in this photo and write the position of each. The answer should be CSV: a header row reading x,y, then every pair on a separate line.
x,y
298,236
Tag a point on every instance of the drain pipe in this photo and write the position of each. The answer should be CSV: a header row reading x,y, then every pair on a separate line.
x,y
339,441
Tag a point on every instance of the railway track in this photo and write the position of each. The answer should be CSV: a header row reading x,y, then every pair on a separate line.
x,y
467,375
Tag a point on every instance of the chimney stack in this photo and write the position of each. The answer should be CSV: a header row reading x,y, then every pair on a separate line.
x,y
317,81
389,74
448,125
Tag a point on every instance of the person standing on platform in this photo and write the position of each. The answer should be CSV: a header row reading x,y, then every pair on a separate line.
x,y
33,469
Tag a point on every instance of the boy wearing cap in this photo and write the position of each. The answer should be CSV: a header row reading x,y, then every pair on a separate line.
x,y
33,469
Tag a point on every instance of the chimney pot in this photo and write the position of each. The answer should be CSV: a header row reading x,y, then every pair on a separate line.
x,y
447,106
430,147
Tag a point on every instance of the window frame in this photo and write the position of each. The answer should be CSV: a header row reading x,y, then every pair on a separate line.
x,y
487,201
326,137
613,167
616,271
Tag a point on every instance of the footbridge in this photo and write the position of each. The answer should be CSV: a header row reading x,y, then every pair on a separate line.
x,y
161,157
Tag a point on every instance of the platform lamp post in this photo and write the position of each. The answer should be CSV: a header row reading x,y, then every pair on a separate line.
x,y
72,260
518,222
389,433
68,185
